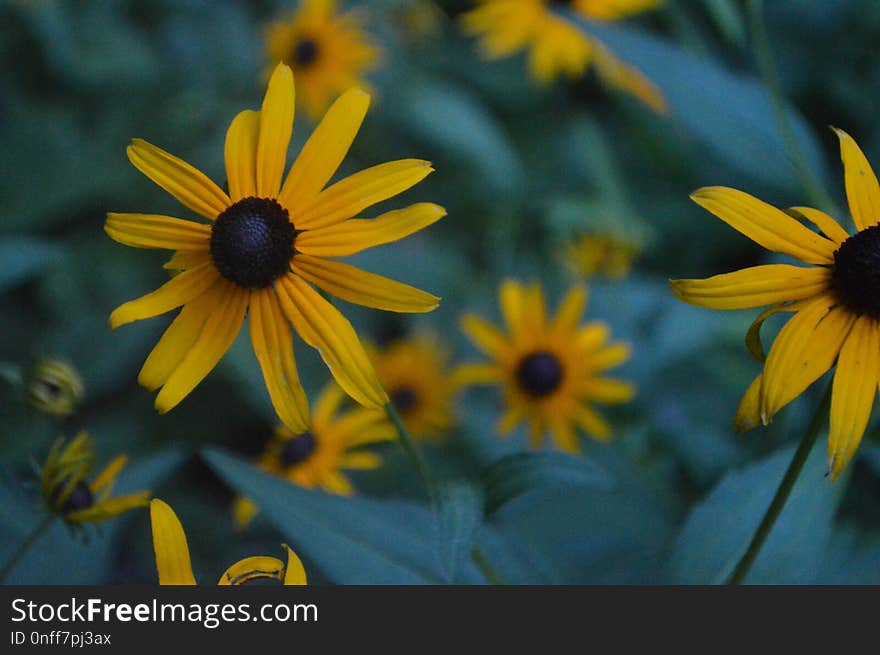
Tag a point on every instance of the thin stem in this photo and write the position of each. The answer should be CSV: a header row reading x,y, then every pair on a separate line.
x,y
791,475
812,186
412,451
25,546
482,562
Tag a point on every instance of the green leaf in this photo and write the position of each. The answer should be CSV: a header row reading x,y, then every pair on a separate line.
x,y
718,530
519,474
460,516
22,257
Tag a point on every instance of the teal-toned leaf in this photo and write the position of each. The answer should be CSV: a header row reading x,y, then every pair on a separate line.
x,y
22,257
730,113
460,516
516,475
719,529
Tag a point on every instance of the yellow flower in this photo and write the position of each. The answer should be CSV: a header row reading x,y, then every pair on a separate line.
x,y
328,52
54,387
593,254
175,568
315,458
835,303
556,46
264,243
68,494
414,372
550,368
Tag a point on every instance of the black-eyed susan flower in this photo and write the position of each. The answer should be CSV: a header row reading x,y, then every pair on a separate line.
x,y
175,568
415,374
555,46
69,495
602,254
328,51
551,369
835,303
266,242
317,457
54,387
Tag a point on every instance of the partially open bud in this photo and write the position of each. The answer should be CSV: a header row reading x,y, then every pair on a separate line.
x,y
54,387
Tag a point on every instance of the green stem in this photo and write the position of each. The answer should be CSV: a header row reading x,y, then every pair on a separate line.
x,y
812,186
23,549
791,475
412,451
482,562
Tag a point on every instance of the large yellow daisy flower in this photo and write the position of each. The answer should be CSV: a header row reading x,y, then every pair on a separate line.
x,y
550,368
264,244
555,46
316,458
175,568
328,52
835,303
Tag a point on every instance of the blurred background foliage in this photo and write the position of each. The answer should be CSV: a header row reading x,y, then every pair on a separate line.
x,y
523,169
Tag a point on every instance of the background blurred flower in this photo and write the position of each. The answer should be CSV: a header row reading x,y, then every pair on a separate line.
x,y
54,387
175,568
549,368
605,254
329,52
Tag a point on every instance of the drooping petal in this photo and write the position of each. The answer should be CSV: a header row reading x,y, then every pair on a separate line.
x,y
105,479
273,343
802,352
862,189
485,336
240,154
756,286
592,423
191,187
564,435
252,568
322,326
294,572
155,231
353,194
826,224
276,126
853,392
178,291
357,234
169,545
325,149
766,225
748,413
357,286
336,483
217,335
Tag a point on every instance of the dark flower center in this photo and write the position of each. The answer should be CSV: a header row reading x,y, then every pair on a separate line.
x,y
80,497
297,449
305,52
856,276
539,374
404,399
252,242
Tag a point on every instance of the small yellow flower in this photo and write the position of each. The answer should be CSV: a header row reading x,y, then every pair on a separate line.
x,y
315,458
549,368
54,387
263,247
415,374
328,52
175,568
69,495
835,301
603,254
556,46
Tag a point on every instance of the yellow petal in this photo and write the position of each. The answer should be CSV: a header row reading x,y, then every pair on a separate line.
x,y
534,313
510,420
748,413
240,153
613,355
485,336
353,194
360,461
325,149
154,231
629,79
357,286
335,483
109,508
592,336
252,568
802,352
470,374
570,311
828,225
178,291
327,404
324,328
357,234
754,287
106,477
862,189
243,512
217,335
766,225
273,344
169,544
183,260
592,423
565,436
853,391
606,390
294,572
511,299
191,187
276,125
753,335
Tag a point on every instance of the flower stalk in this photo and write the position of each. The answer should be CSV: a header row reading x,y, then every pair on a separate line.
x,y
413,453
32,538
